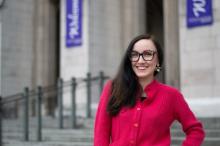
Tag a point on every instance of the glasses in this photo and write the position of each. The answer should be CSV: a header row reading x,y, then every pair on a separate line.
x,y
147,55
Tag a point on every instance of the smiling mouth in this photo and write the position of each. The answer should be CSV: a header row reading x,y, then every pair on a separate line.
x,y
141,67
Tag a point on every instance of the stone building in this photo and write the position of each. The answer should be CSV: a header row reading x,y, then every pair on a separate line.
x,y
34,50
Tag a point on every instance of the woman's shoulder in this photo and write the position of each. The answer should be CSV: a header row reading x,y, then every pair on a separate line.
x,y
169,89
108,84
107,87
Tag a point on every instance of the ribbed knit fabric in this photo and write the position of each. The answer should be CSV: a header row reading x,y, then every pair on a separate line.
x,y
149,122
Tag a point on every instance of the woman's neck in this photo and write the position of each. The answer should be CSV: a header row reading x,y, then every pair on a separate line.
x,y
144,82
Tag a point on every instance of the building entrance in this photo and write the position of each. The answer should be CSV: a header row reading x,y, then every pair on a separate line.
x,y
155,25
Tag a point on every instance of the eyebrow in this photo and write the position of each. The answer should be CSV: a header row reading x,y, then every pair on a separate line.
x,y
146,50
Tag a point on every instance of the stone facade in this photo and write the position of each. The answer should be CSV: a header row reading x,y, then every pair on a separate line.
x,y
17,28
28,45
33,54
199,59
107,25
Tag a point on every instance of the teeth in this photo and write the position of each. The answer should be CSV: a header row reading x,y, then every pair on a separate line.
x,y
141,67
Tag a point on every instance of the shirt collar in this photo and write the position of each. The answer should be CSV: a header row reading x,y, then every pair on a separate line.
x,y
151,89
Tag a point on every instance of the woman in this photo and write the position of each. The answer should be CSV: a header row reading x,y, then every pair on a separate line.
x,y
136,110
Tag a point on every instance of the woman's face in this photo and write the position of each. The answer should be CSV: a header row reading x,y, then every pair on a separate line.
x,y
144,59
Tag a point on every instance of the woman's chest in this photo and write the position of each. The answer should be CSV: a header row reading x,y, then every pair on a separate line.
x,y
145,115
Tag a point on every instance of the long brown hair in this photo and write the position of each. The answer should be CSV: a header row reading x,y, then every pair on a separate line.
x,y
125,85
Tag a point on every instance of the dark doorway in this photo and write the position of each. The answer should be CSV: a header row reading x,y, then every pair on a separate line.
x,y
155,25
51,101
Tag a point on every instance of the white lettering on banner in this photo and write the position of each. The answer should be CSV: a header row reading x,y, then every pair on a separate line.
x,y
74,17
202,20
199,7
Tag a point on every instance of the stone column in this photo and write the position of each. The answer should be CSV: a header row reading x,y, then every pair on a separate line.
x,y
44,71
133,17
0,53
171,43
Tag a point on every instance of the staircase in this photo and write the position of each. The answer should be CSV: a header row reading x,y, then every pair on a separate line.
x,y
212,130
51,135
83,136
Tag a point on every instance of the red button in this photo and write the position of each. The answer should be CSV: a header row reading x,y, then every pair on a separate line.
x,y
135,124
131,141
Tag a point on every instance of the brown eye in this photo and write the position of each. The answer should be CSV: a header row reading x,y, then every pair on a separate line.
x,y
148,53
134,56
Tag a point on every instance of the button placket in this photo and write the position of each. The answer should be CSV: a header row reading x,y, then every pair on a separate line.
x,y
136,123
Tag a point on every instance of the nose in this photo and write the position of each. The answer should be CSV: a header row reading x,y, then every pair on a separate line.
x,y
141,59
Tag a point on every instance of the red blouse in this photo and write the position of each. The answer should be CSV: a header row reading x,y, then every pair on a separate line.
x,y
147,123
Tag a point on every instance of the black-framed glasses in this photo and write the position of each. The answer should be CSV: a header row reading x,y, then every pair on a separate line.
x,y
147,55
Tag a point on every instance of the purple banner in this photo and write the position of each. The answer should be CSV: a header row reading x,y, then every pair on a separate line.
x,y
73,23
199,12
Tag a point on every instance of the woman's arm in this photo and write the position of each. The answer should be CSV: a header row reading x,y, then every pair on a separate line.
x,y
102,131
190,125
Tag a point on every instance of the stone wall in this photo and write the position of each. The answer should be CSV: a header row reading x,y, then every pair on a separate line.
x,y
29,45
200,49
17,28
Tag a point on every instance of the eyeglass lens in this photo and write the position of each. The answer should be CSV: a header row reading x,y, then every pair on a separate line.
x,y
146,55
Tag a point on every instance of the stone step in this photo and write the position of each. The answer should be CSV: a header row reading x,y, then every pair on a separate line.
x,y
49,122
209,132
54,135
63,140
207,142
45,143
49,130
88,133
208,123
176,141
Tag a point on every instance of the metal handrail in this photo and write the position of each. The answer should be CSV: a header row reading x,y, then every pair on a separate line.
x,y
39,95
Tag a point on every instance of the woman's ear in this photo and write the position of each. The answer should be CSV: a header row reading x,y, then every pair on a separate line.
x,y
158,68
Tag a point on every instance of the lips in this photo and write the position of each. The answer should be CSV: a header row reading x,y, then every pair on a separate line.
x,y
141,67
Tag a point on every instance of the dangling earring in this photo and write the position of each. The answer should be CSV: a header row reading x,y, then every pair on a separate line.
x,y
158,68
